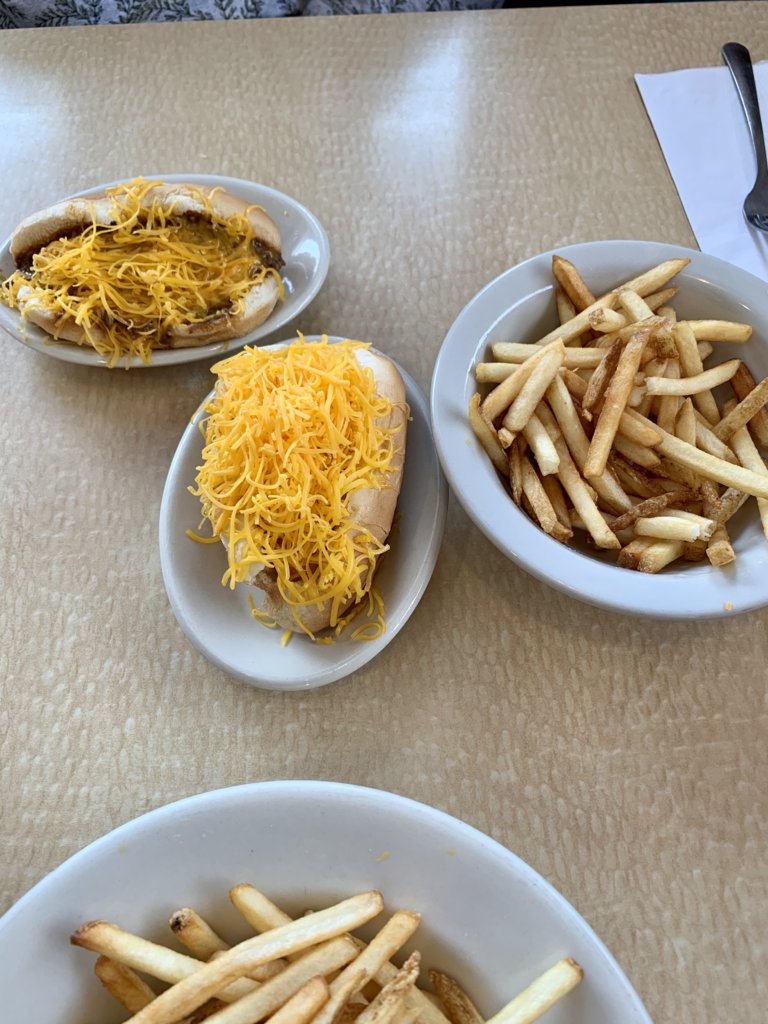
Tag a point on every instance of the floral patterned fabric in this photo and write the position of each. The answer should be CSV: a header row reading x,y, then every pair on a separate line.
x,y
30,13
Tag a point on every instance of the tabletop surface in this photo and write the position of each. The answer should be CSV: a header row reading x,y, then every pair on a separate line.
x,y
624,759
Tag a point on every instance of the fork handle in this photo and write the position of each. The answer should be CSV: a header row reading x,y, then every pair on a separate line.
x,y
739,62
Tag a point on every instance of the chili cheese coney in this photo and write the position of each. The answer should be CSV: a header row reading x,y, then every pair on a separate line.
x,y
146,265
301,471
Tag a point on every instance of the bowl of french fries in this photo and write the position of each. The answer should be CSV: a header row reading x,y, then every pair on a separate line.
x,y
600,412
303,903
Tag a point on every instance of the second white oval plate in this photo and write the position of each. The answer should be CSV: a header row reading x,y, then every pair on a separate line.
x,y
218,621
305,250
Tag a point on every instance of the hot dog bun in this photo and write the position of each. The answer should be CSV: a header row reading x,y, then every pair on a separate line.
x,y
372,509
183,203
302,468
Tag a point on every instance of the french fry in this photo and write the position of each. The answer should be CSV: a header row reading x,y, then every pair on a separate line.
x,y
149,957
674,527
392,997
533,390
555,494
636,307
691,366
322,960
124,984
540,503
614,403
210,979
636,453
719,550
572,283
750,458
669,406
486,435
606,320
704,381
511,354
657,300
685,424
747,409
502,397
652,507
583,502
565,308
304,1004
196,934
720,330
515,470
711,467
636,430
568,423
600,379
743,383
659,555
541,445
708,441
630,554
379,951
541,995
459,1008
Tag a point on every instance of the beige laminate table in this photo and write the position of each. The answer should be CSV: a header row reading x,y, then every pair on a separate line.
x,y
623,759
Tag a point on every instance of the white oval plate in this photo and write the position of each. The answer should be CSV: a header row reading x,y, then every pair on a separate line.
x,y
305,250
218,620
488,918
519,306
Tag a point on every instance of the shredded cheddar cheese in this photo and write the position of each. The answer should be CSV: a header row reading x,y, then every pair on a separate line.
x,y
127,284
290,437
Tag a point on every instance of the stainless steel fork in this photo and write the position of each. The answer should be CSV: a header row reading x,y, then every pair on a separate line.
x,y
739,62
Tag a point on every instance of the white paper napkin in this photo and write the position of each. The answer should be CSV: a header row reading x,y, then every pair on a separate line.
x,y
703,134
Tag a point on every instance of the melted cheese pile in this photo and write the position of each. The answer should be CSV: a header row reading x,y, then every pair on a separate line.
x,y
127,284
290,436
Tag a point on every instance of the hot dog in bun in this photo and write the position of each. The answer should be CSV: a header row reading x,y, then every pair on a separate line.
x,y
300,475
146,265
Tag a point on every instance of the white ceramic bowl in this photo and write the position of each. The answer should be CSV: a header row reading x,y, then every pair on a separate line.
x,y
519,306
488,918
305,250
218,620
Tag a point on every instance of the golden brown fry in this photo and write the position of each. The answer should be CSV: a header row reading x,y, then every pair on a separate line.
x,y
708,441
555,494
124,984
750,458
542,507
149,957
600,379
504,395
533,390
657,300
743,383
486,435
741,414
512,353
583,502
691,366
641,456
195,933
568,423
719,550
379,951
572,283
515,470
606,320
704,381
636,307
459,1008
190,993
720,330
636,430
669,406
685,424
320,960
565,308
542,994
711,467
393,995
629,556
659,555
304,1004
652,507
614,403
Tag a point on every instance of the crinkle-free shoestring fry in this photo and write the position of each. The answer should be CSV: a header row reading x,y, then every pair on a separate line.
x,y
610,423
308,970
